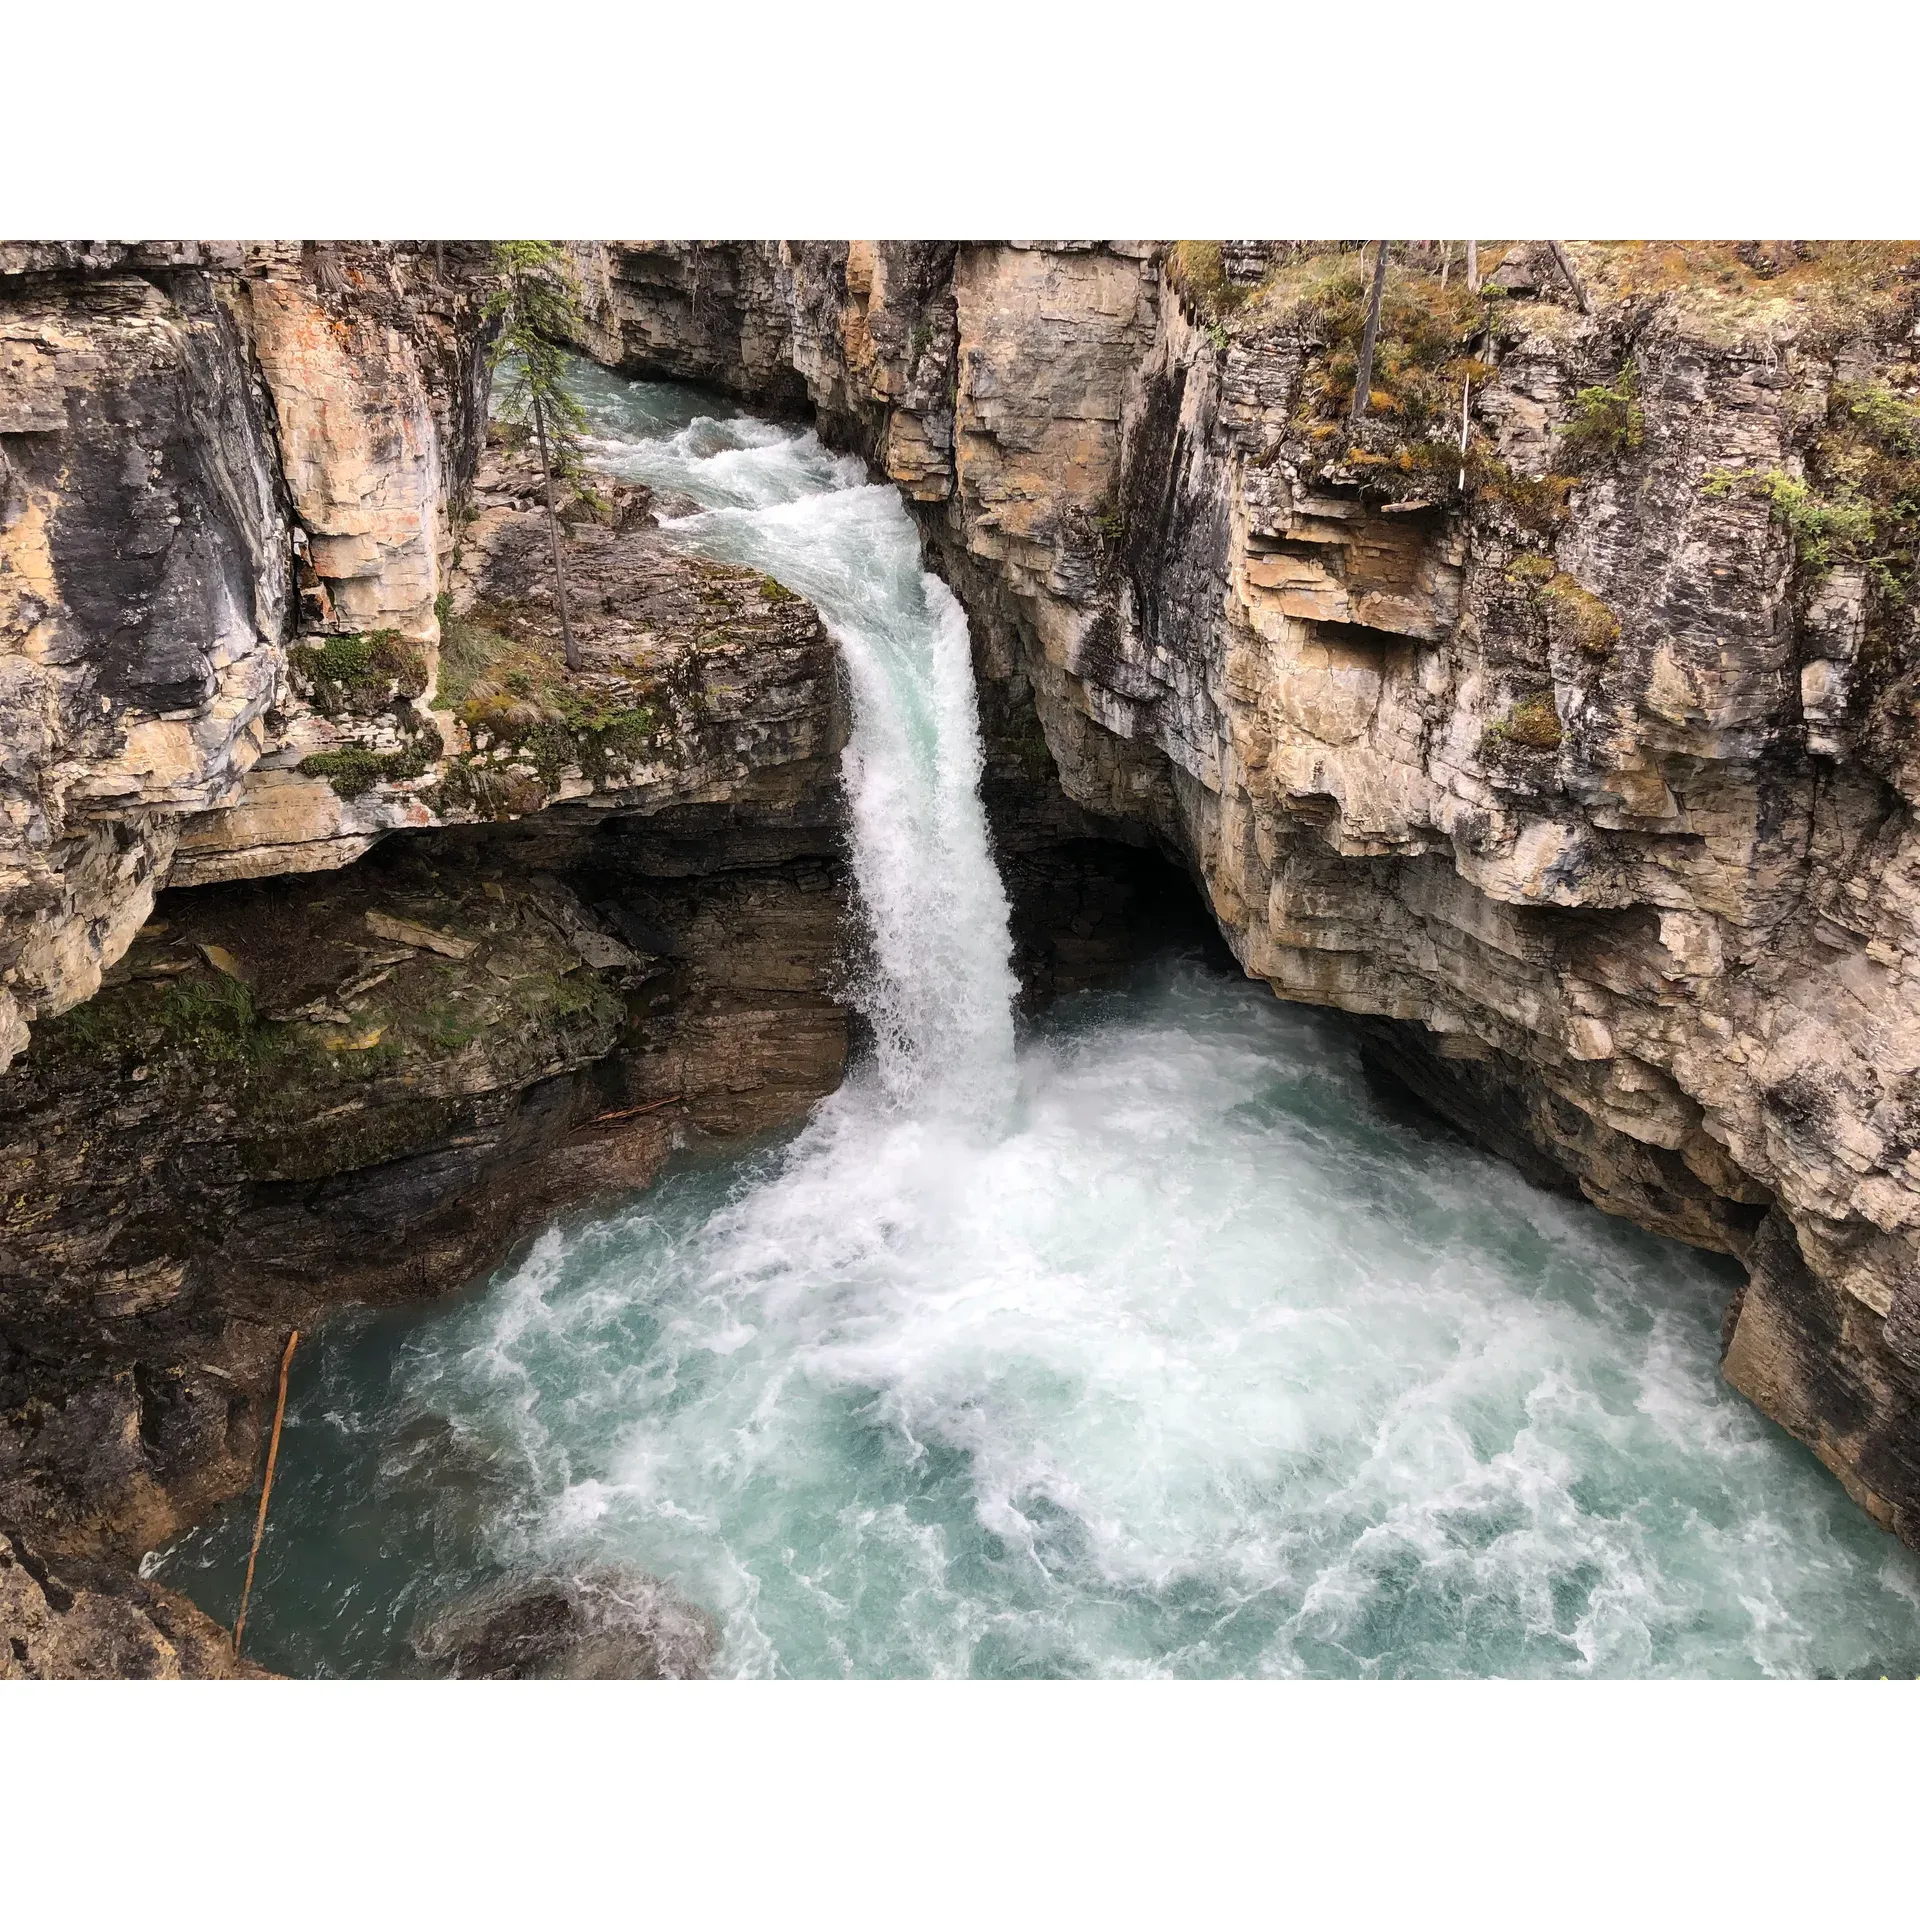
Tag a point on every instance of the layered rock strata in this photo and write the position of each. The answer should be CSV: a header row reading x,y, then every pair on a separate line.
x,y
1565,735
203,450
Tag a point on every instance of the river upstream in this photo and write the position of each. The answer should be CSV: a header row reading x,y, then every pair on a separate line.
x,y
1138,1342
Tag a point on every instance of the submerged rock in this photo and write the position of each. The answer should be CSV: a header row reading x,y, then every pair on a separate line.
x,y
597,1625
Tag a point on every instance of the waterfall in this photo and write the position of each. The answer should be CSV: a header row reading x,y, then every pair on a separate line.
x,y
1150,1347
936,985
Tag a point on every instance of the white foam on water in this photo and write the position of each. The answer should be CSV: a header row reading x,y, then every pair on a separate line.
x,y
1194,1366
937,987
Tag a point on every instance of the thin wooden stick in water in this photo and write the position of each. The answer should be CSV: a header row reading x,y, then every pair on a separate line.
x,y
266,1488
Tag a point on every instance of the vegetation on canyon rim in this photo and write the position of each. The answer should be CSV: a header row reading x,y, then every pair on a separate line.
x,y
528,716
1411,437
1410,430
1406,442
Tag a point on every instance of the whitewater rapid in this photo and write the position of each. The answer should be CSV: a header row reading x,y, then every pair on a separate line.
x,y
1142,1344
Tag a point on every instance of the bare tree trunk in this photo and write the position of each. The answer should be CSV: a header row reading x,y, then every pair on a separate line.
x,y
553,527
1573,279
1369,338
1446,260
1473,266
1466,395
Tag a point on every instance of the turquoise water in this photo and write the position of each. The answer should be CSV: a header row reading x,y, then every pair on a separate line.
x,y
1137,1343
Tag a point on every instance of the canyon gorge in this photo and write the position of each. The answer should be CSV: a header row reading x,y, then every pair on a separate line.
x,y
1553,728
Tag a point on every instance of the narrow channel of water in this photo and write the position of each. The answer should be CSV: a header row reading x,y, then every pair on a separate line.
x,y
1142,1345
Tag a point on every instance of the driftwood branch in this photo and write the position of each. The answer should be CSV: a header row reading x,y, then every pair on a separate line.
x,y
266,1489
631,1113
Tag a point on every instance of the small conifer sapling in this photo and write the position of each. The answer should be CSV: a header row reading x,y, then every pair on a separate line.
x,y
537,305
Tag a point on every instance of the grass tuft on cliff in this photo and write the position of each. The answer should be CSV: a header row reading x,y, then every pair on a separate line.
x,y
507,684
1531,724
1571,613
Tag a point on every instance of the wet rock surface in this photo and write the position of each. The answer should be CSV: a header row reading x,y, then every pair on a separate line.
x,y
596,1625
361,1085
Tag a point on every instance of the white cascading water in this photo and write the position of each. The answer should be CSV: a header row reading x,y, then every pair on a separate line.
x,y
937,988
1146,1347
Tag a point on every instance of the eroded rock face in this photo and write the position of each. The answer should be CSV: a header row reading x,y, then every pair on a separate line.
x,y
700,684
93,1623
340,1062
1570,772
365,1085
202,450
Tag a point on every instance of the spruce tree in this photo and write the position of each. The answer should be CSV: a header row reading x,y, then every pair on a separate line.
x,y
537,305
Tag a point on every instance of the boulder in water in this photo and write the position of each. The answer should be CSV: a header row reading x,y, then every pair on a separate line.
x,y
598,1625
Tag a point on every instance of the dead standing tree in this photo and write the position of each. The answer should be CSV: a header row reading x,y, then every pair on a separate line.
x,y
1369,338
1565,265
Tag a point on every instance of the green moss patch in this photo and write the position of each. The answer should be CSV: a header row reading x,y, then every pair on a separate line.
x,y
503,677
1531,724
198,1021
359,673
352,771
1572,614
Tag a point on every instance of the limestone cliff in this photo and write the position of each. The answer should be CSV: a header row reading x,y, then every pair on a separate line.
x,y
1557,723
269,595
204,450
